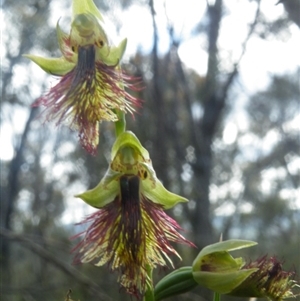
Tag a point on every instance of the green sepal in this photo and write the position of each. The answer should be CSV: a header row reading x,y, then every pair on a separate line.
x,y
85,6
86,30
129,139
56,66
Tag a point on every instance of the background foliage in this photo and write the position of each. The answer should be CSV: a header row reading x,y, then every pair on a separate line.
x,y
246,188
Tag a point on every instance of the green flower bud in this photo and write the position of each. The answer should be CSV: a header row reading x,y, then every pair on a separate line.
x,y
217,270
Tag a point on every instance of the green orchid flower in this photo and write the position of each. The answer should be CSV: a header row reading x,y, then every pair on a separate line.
x,y
130,232
92,84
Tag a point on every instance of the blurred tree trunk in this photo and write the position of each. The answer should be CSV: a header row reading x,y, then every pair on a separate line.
x,y
200,132
12,190
204,132
161,149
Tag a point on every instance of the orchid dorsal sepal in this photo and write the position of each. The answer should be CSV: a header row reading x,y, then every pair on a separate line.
x,y
129,139
87,30
85,6
128,155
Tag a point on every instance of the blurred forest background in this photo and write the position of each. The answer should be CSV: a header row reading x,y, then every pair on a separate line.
x,y
242,179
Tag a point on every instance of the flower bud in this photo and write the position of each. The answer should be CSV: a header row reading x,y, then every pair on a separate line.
x,y
217,270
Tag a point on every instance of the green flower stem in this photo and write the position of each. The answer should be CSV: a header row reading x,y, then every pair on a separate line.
x,y
149,294
120,125
217,297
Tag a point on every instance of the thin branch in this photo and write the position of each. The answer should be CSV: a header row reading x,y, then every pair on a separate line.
x,y
69,270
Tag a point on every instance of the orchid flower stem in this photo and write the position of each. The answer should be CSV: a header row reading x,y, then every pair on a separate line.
x,y
120,125
217,297
149,294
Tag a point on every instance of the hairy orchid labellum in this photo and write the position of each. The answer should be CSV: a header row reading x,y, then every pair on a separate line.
x,y
130,232
92,84
269,281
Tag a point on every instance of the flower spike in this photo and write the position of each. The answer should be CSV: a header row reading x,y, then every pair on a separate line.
x,y
130,232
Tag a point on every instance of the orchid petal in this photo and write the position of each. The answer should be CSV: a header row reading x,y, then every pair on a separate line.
x,y
111,56
160,195
104,193
64,45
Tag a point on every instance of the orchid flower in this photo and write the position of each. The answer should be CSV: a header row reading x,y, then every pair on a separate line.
x,y
92,85
130,232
